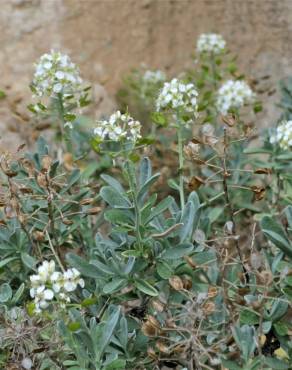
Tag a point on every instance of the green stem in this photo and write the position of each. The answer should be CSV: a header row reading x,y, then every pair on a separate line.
x,y
214,74
64,130
181,164
136,206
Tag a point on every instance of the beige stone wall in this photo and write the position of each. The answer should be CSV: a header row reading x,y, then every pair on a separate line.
x,y
108,37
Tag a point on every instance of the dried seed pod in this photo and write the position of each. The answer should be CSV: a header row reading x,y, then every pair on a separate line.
x,y
66,221
209,307
151,353
28,166
46,163
39,236
5,166
212,292
176,283
3,201
150,327
86,201
3,223
229,119
157,305
25,190
161,346
22,218
187,283
191,150
256,305
42,180
263,171
259,192
195,182
190,262
170,323
180,348
93,211
266,277
68,161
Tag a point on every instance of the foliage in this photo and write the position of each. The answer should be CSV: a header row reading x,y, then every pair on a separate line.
x,y
189,270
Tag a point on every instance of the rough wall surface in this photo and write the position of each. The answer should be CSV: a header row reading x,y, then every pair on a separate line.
x,y
108,37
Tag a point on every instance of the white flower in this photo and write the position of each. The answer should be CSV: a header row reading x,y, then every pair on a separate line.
x,y
210,43
283,135
177,95
233,94
57,281
49,283
45,270
42,296
153,77
55,73
119,127
72,279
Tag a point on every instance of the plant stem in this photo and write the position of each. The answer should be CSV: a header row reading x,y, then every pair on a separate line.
x,y
54,252
64,131
181,163
136,206
229,206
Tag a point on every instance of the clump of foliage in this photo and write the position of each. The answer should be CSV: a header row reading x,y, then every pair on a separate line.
x,y
104,271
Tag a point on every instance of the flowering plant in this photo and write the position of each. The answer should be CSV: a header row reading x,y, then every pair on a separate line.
x,y
131,268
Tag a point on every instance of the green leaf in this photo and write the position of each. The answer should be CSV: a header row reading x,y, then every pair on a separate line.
x,y
17,295
5,292
145,171
161,207
85,268
276,364
230,365
113,183
109,328
114,285
187,219
28,260
177,251
74,177
275,232
248,317
164,270
146,288
146,187
114,198
159,119
6,261
74,326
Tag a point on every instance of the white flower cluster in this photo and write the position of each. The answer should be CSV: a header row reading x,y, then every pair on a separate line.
x,y
119,127
154,77
49,283
56,73
233,94
178,95
210,43
283,135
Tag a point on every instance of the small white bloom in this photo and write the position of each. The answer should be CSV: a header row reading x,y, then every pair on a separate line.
x,y
119,127
210,43
177,95
153,77
283,135
53,68
233,94
45,270
72,279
